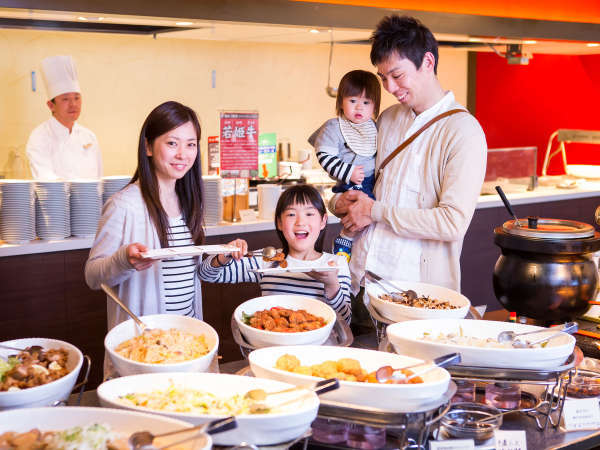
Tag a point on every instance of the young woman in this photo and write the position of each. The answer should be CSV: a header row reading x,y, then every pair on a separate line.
x,y
160,207
300,221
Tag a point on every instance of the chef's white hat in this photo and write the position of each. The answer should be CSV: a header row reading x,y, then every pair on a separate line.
x,y
60,75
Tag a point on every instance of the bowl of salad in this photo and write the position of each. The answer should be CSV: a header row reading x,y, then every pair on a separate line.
x,y
42,375
284,320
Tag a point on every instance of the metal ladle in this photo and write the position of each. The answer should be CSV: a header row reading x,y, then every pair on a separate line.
x,y
509,336
113,295
386,373
570,327
380,282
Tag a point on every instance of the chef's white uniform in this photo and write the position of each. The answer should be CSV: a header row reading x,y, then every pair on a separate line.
x,y
55,153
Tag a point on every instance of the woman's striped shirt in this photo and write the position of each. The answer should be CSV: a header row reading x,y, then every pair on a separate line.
x,y
178,272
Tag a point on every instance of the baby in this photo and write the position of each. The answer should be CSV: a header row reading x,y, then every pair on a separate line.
x,y
346,145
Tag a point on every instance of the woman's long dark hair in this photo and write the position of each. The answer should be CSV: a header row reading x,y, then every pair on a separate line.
x,y
189,190
302,194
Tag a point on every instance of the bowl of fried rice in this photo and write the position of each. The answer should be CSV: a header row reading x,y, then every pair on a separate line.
x,y
172,343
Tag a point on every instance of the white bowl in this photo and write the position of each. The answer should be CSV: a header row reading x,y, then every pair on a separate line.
x,y
257,429
128,329
406,339
126,422
46,394
261,338
401,313
391,397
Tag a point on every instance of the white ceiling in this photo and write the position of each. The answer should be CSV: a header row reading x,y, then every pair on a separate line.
x,y
285,34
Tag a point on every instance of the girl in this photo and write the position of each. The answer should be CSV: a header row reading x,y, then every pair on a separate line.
x,y
160,207
300,221
346,145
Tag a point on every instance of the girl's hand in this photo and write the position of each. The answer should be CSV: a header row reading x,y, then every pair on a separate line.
x,y
241,244
134,256
329,279
358,175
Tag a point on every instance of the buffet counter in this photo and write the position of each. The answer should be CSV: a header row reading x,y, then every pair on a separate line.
x,y
541,194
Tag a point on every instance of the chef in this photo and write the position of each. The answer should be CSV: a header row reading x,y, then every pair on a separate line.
x,y
60,148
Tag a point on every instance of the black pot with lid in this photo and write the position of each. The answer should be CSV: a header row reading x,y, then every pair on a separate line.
x,y
546,271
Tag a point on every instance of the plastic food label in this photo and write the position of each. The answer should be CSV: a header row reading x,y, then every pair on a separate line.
x,y
510,440
581,414
452,444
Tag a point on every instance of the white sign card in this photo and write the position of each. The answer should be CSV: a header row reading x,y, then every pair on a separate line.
x,y
452,444
581,414
510,440
247,215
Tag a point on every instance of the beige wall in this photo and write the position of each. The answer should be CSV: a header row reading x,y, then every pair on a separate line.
x,y
124,77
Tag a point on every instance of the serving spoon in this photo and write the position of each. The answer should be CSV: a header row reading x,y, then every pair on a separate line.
x,y
33,348
143,439
511,336
319,388
386,373
113,295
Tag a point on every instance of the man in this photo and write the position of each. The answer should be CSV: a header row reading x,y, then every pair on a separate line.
x,y
426,195
60,148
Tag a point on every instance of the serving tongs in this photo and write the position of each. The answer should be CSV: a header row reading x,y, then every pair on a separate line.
x,y
386,284
143,439
113,295
320,387
386,373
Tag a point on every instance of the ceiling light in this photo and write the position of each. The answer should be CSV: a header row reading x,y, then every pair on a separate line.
x,y
474,39
183,24
593,44
530,42
100,18
313,30
82,18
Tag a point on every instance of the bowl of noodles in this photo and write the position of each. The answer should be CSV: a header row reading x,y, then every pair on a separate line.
x,y
172,343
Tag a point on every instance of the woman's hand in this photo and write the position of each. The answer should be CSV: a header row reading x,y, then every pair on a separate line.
x,y
134,256
329,279
222,259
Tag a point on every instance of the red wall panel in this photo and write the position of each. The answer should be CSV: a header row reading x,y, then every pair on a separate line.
x,y
522,105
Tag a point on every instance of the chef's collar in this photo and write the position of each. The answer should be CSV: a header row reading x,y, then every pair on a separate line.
x,y
59,129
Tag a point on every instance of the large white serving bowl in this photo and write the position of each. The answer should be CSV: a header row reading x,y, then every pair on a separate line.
x,y
128,329
257,429
401,313
261,338
46,394
391,397
406,339
126,422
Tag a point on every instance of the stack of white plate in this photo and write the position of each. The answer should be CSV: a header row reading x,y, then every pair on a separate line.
x,y
17,211
52,212
86,203
113,184
213,199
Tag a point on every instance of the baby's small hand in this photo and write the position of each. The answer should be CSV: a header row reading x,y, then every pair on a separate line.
x,y
358,175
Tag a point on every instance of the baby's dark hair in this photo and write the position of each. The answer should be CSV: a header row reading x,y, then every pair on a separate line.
x,y
303,194
355,83
405,36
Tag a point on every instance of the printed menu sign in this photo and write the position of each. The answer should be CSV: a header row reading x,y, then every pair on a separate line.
x,y
581,414
238,142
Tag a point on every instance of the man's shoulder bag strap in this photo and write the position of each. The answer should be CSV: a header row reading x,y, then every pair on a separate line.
x,y
408,141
